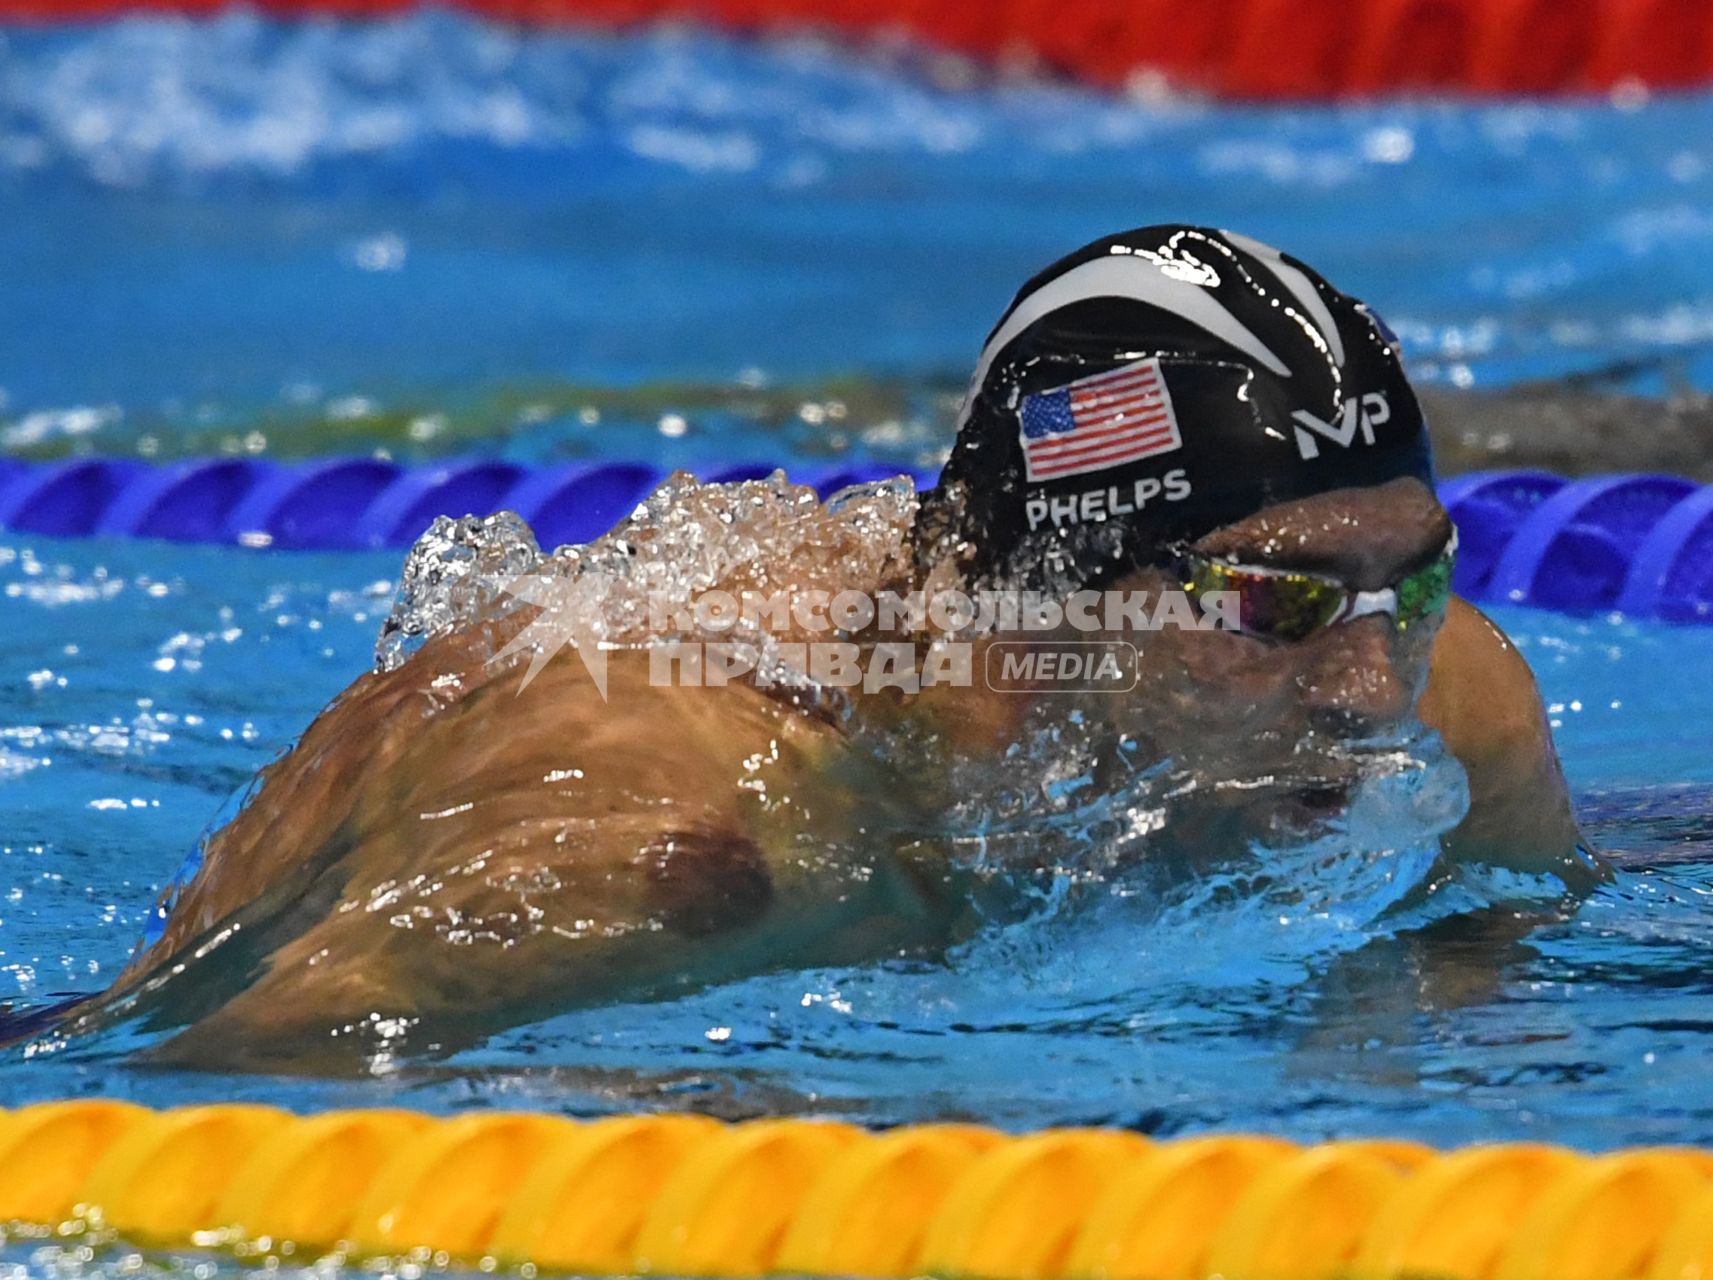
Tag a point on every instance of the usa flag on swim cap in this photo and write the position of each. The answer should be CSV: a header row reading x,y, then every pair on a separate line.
x,y
1097,422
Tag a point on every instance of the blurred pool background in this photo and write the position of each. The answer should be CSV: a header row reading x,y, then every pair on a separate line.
x,y
432,233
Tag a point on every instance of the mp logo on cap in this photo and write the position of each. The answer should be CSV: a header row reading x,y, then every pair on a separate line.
x,y
1359,417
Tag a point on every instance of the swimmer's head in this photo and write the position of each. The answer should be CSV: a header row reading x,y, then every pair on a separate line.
x,y
1154,386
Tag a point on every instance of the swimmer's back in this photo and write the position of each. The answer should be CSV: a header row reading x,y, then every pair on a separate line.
x,y
455,857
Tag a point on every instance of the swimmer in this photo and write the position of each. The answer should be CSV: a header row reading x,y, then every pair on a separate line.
x,y
1171,409
1280,454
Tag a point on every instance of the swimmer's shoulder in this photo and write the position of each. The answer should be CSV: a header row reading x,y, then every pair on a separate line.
x,y
1481,694
1483,701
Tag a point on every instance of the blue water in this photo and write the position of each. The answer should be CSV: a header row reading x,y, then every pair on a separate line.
x,y
147,683
429,235
216,231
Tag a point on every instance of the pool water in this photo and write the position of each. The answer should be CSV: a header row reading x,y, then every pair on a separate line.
x,y
432,235
149,682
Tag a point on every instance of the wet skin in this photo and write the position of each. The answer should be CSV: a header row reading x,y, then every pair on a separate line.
x,y
441,858
427,867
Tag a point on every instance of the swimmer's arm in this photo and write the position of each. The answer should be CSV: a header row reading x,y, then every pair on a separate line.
x,y
1483,700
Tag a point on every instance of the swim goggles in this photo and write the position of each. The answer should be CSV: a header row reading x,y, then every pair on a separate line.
x,y
1286,604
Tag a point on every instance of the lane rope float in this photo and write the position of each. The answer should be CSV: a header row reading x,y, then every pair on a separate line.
x,y
685,1195
1638,544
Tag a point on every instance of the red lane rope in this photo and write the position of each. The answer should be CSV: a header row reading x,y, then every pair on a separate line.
x,y
1263,49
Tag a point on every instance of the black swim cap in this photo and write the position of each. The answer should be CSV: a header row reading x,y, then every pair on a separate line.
x,y
1153,386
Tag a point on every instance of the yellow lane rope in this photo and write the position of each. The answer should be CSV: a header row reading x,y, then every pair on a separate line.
x,y
688,1196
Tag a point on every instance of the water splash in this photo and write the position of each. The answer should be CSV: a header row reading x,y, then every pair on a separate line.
x,y
639,584
454,576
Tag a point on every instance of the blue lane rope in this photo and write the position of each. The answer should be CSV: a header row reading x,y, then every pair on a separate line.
x,y
1641,544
